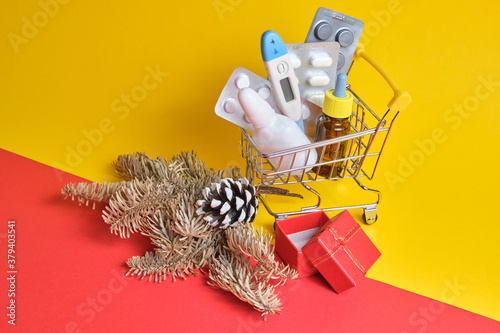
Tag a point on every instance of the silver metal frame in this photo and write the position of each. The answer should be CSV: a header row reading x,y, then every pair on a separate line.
x,y
369,133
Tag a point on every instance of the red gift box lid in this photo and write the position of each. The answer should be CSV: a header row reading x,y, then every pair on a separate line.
x,y
341,251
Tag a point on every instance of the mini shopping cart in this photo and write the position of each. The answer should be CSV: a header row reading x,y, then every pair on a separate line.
x,y
365,142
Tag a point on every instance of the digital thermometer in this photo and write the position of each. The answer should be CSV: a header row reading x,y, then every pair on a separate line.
x,y
281,75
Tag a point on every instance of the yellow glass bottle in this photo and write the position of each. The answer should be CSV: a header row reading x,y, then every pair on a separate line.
x,y
334,123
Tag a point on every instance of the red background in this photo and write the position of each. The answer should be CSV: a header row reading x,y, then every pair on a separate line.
x,y
71,279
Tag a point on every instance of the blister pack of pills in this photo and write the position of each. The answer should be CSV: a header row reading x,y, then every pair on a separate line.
x,y
331,26
315,65
229,108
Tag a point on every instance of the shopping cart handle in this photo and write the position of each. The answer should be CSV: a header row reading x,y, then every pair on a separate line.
x,y
401,98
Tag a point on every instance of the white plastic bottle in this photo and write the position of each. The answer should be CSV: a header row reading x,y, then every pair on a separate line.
x,y
275,132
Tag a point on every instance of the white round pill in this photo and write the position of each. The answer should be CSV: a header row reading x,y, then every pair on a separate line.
x,y
264,91
318,79
320,59
230,105
341,61
316,97
306,112
295,59
242,81
345,37
323,30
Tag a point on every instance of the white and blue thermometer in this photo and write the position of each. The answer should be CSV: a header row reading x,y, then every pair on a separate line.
x,y
281,75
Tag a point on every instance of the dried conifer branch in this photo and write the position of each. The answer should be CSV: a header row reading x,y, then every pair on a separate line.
x,y
230,172
255,244
175,249
159,201
129,207
187,223
159,265
202,251
159,229
154,266
186,256
232,273
194,168
264,189
140,166
87,192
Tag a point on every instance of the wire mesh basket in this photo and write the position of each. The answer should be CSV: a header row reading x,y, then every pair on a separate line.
x,y
363,146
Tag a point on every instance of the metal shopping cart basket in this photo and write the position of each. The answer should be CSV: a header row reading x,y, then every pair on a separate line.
x,y
365,142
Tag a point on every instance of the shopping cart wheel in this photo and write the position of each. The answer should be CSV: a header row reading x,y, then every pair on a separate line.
x,y
370,215
369,220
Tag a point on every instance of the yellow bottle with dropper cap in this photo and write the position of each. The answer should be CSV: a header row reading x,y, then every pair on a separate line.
x,y
334,123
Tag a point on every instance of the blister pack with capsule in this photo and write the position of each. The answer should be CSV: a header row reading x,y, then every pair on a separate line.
x,y
315,65
331,26
288,149
228,106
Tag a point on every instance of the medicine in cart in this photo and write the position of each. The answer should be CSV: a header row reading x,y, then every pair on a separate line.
x,y
305,123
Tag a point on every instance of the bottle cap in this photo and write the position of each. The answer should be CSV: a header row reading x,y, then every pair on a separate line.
x,y
338,101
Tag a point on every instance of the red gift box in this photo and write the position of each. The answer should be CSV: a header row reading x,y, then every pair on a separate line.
x,y
292,234
341,251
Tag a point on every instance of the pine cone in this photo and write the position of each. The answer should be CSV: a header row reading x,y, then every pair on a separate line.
x,y
229,203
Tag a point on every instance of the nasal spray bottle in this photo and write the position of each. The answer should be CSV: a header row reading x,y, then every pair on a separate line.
x,y
335,123
275,132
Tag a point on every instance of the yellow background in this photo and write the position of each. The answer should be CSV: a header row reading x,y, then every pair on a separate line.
x,y
66,67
